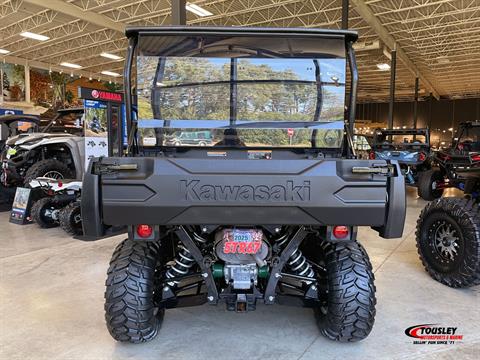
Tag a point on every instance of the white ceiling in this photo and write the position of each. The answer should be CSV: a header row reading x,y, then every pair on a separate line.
x,y
437,39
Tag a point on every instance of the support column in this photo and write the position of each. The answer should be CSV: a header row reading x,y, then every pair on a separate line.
x,y
345,4
179,14
415,104
393,71
1,81
27,83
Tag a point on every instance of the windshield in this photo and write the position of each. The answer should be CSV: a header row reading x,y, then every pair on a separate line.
x,y
285,92
400,139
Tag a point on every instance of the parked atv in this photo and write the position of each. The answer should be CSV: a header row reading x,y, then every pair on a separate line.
x,y
410,147
457,166
268,212
448,241
54,152
60,204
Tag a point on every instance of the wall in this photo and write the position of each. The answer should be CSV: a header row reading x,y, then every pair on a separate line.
x,y
434,114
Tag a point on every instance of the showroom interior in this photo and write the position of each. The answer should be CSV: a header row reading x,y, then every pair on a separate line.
x,y
276,179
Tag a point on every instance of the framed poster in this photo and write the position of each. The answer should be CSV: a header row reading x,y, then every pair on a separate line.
x,y
20,213
95,125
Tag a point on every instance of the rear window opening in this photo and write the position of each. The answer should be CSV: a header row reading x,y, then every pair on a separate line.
x,y
259,94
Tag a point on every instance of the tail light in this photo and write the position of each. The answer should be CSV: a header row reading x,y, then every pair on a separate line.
x,y
144,231
476,157
371,155
422,156
340,231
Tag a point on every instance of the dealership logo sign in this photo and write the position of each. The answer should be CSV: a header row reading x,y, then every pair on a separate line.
x,y
432,334
106,95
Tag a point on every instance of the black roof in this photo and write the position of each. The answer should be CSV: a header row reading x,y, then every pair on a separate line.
x,y
133,31
21,117
72,109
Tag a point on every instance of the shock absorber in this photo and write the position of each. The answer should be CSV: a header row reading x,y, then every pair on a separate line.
x,y
183,261
297,263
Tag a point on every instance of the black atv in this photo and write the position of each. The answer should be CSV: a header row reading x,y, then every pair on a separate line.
x,y
268,212
458,166
410,147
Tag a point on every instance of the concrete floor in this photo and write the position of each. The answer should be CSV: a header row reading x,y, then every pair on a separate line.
x,y
51,303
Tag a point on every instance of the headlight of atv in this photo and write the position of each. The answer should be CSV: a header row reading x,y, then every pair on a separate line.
x,y
11,152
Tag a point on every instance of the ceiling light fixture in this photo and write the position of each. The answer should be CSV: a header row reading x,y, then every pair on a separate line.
x,y
34,36
197,10
70,65
383,67
110,73
111,56
4,51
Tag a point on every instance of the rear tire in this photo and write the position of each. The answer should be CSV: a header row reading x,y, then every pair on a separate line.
x,y
348,312
448,241
130,311
39,213
427,184
46,167
71,219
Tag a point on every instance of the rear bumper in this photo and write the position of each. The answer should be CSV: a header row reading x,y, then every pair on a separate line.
x,y
243,192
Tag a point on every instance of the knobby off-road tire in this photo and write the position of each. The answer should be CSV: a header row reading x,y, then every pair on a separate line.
x,y
38,213
71,219
43,167
349,311
455,263
426,181
130,311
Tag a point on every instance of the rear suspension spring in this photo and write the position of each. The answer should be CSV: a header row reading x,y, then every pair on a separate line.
x,y
297,263
183,261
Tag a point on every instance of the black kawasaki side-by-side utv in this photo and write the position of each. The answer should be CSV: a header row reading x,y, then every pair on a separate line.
x,y
266,211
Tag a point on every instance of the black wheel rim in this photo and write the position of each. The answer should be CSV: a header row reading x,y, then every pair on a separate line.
x,y
46,214
443,244
446,241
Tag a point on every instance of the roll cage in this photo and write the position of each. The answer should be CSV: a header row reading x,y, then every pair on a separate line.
x,y
387,134
133,34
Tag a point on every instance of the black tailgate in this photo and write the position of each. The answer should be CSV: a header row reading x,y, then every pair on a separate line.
x,y
171,191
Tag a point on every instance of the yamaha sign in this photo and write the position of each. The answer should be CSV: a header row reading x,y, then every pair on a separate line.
x,y
102,95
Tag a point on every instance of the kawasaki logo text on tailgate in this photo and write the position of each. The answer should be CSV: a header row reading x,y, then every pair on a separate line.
x,y
194,190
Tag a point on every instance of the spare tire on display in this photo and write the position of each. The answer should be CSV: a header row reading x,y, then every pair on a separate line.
x,y
448,241
51,168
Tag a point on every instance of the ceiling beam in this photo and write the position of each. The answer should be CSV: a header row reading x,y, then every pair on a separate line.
x,y
76,12
369,17
57,68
